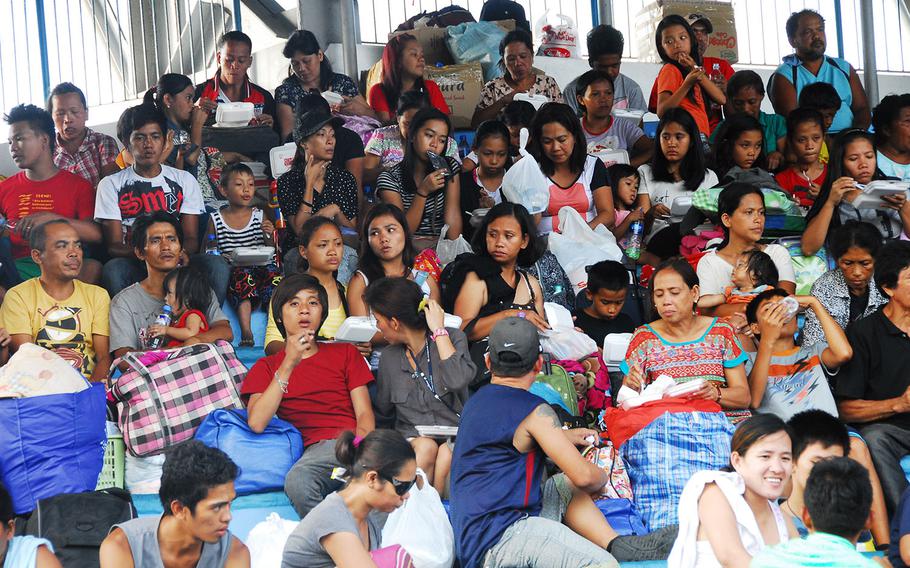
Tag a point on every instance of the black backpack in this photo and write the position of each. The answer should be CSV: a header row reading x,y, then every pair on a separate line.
x,y
495,10
448,16
77,523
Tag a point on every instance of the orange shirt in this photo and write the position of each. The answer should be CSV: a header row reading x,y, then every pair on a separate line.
x,y
670,79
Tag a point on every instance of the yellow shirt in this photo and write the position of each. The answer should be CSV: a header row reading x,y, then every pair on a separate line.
x,y
328,330
66,326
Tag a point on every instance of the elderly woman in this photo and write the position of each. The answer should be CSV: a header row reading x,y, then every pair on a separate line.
x,y
320,388
891,120
311,72
848,291
517,52
687,346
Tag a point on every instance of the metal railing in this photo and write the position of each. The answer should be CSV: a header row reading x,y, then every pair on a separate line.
x,y
759,25
113,49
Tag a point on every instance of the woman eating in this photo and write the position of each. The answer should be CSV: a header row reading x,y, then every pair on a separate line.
x,y
428,195
577,180
687,346
320,388
311,72
517,61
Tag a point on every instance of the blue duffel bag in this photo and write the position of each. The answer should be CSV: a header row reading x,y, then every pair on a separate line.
x,y
51,444
264,459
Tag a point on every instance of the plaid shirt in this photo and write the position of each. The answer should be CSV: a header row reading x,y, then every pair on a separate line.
x,y
96,151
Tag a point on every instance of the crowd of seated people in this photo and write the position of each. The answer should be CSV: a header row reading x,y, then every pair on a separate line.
x,y
818,394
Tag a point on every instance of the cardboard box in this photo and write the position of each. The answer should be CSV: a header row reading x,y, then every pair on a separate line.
x,y
460,85
722,42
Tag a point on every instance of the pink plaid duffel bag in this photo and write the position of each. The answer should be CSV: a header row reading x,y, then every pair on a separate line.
x,y
165,395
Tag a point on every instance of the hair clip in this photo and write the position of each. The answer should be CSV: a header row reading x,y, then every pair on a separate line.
x,y
423,304
357,440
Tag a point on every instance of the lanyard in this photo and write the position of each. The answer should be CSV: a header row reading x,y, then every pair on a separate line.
x,y
428,377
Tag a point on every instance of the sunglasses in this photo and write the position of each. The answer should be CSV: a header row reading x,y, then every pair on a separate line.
x,y
401,487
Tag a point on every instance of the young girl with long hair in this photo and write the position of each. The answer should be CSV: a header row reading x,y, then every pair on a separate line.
x,y
682,81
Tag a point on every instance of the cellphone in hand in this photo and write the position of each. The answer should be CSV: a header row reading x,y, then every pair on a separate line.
x,y
439,163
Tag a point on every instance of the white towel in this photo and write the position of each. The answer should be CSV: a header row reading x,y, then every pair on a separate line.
x,y
684,553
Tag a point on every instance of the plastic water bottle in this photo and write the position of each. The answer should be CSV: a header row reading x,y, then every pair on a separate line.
x,y
211,245
717,78
463,147
633,248
164,318
280,224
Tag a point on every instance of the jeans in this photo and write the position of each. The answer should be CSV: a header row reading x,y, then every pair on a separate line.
x,y
888,444
118,273
536,541
310,480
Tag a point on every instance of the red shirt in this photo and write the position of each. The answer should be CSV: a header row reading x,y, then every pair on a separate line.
x,y
65,194
796,184
318,401
379,104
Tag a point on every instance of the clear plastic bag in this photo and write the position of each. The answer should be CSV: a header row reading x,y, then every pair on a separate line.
x,y
524,183
448,249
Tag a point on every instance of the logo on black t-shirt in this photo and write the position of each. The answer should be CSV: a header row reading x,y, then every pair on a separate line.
x,y
140,197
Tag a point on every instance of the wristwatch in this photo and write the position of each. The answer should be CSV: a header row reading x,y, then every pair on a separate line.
x,y
441,332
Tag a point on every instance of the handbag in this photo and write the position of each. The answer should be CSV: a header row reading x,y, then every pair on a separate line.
x,y
51,444
264,459
165,395
623,424
608,459
422,527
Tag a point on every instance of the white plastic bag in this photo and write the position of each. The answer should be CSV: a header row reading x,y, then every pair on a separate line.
x,y
448,249
563,341
559,39
567,343
524,182
578,246
266,541
422,527
143,475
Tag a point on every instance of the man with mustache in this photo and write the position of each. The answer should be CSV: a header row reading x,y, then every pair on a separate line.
x,y
56,310
41,192
806,33
80,149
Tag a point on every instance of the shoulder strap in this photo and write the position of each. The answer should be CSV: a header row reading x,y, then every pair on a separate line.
x,y
530,288
833,62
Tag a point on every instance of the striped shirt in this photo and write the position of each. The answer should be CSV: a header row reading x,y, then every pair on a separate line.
x,y
434,207
230,239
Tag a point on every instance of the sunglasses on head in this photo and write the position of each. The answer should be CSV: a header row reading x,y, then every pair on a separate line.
x,y
401,487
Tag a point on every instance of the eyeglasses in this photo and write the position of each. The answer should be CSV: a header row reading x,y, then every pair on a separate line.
x,y
401,487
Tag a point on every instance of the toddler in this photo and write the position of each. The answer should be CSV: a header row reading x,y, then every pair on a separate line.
x,y
187,292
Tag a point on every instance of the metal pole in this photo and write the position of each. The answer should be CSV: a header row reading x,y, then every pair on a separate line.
x,y
237,22
605,12
42,46
870,67
348,39
839,28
